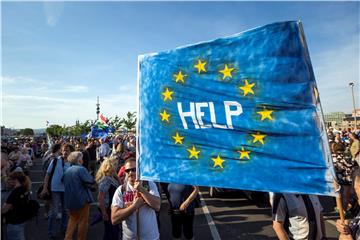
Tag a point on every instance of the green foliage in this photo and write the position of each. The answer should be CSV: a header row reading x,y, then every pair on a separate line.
x,y
129,122
116,122
27,132
55,130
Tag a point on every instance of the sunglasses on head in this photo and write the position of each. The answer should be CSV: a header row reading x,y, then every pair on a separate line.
x,y
130,170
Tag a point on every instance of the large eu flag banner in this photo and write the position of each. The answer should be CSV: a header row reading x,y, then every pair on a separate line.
x,y
238,112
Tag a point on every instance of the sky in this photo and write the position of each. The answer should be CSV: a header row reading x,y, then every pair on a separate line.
x,y
57,57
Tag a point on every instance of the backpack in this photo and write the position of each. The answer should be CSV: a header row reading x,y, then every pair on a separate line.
x,y
32,209
24,212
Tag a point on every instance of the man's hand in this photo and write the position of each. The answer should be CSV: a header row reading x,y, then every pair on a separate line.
x,y
105,217
138,202
139,187
343,227
44,192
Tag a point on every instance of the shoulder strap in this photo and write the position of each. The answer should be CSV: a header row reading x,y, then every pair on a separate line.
x,y
146,185
53,168
123,187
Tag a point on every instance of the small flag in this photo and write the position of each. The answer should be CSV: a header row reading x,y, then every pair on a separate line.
x,y
103,119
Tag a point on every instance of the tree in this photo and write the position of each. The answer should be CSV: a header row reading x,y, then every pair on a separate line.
x,y
27,132
129,122
115,122
86,126
55,130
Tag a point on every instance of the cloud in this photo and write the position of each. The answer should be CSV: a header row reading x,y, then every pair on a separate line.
x,y
127,88
21,111
39,98
19,83
16,80
53,11
73,89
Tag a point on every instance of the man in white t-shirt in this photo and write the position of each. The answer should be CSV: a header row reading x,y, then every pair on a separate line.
x,y
134,204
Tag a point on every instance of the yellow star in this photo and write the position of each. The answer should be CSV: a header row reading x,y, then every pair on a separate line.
x,y
167,94
193,152
218,161
244,154
258,137
178,138
200,66
265,114
164,116
226,71
247,88
179,77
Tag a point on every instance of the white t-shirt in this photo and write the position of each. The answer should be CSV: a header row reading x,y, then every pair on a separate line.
x,y
147,221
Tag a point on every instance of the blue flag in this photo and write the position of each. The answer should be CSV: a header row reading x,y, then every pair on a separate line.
x,y
100,131
237,112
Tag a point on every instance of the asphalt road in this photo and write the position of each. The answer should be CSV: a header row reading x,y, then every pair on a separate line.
x,y
231,215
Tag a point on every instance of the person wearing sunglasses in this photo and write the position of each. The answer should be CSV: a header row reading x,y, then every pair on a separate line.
x,y
134,204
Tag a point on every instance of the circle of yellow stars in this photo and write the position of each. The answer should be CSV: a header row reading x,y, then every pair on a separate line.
x,y
246,89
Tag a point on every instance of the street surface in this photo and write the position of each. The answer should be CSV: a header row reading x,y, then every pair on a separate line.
x,y
230,216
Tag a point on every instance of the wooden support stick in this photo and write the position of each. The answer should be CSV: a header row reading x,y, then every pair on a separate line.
x,y
339,201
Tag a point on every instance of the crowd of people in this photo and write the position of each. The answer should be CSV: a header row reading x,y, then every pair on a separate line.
x,y
77,171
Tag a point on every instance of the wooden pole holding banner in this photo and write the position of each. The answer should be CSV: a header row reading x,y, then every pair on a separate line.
x,y
339,201
337,187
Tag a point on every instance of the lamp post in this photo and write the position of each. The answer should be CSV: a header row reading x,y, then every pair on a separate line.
x,y
97,108
352,92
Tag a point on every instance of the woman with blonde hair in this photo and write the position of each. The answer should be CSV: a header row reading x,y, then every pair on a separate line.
x,y
16,204
108,182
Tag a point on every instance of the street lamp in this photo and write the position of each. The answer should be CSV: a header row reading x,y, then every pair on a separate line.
x,y
97,108
352,92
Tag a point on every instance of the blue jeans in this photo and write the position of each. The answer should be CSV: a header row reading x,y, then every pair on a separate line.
x,y
15,231
57,199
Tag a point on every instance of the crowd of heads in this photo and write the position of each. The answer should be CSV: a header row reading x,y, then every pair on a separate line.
x,y
18,154
346,135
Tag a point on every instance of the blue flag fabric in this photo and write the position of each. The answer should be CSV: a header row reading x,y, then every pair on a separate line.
x,y
100,131
237,112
